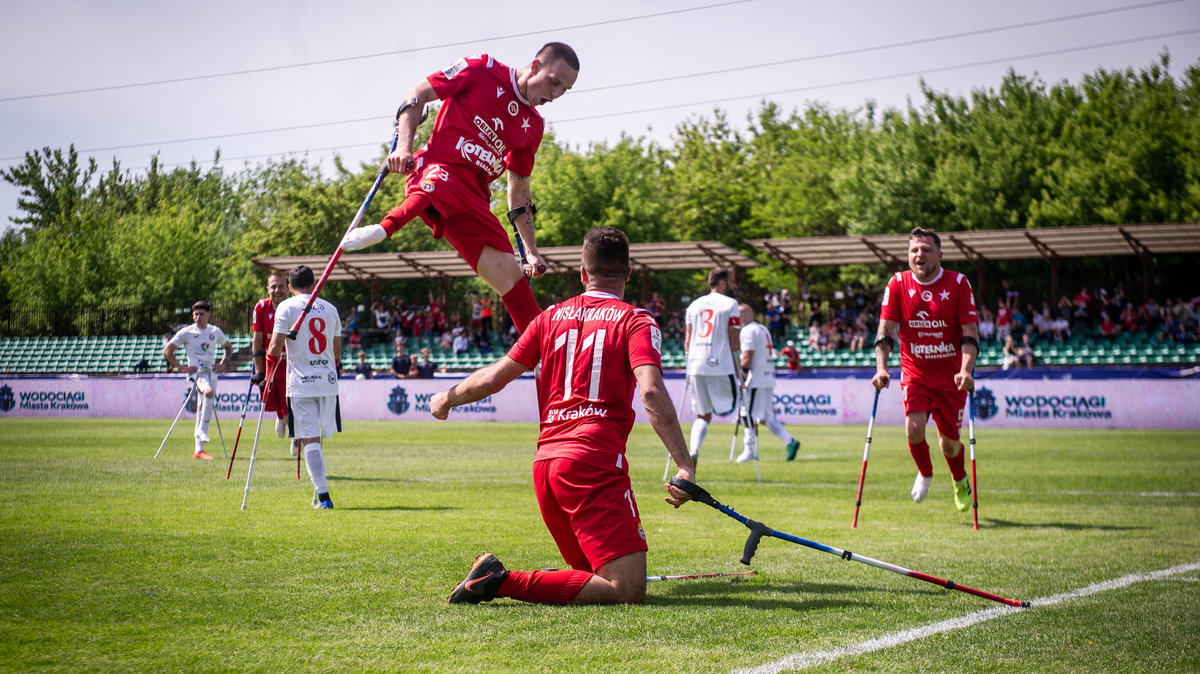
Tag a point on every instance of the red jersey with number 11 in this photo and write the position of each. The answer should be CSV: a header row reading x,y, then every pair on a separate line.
x,y
930,316
588,347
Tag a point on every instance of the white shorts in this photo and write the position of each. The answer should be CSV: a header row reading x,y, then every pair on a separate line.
x,y
314,417
713,394
760,404
206,380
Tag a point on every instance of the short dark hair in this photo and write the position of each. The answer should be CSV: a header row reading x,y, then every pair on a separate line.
x,y
921,231
278,273
606,252
301,277
202,305
719,274
558,51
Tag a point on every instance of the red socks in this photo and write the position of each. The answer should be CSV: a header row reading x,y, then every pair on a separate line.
x,y
544,587
920,454
957,465
412,206
521,304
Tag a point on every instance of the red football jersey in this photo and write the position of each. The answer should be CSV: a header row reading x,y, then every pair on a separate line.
x,y
263,319
483,123
930,316
588,347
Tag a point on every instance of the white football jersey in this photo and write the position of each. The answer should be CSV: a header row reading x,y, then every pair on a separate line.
x,y
311,361
754,337
710,317
200,345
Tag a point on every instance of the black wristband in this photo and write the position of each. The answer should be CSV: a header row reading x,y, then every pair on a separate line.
x,y
886,339
967,339
512,215
258,353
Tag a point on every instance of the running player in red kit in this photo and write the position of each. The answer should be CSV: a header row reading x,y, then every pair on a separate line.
x,y
262,325
593,349
939,341
487,124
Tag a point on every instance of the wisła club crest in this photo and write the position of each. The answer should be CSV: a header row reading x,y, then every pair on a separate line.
x,y
398,400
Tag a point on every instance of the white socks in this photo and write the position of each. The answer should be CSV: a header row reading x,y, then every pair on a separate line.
x,y
281,428
699,430
315,460
776,426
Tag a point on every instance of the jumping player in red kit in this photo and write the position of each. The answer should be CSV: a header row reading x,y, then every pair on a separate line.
x,y
487,124
262,325
593,349
939,341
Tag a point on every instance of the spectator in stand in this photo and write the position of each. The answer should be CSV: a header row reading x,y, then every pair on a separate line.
x,y
987,325
1129,319
383,317
461,344
790,353
1019,321
485,313
1010,297
1061,328
858,335
398,337
1003,320
1026,350
1065,307
401,363
446,343
355,341
1013,354
1109,329
1042,320
815,337
656,307
362,369
774,317
354,320
1082,303
476,313
483,342
1153,314
424,366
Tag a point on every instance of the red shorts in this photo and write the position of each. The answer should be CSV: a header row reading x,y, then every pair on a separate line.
x,y
276,400
946,407
590,511
460,211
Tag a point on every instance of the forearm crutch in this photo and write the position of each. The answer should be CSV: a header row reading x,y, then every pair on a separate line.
x,y
862,475
242,422
191,387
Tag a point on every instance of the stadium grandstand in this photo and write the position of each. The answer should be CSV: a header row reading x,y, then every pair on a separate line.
x,y
1146,334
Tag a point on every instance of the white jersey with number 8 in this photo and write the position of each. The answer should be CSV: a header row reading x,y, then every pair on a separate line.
x,y
311,361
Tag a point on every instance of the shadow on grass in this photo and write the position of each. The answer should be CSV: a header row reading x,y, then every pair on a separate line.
x,y
369,479
1065,526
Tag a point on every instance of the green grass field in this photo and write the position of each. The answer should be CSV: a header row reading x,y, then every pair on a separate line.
x,y
114,561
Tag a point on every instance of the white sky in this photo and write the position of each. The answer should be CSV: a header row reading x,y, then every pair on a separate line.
x,y
54,46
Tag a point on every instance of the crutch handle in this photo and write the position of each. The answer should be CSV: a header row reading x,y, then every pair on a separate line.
x,y
694,490
757,531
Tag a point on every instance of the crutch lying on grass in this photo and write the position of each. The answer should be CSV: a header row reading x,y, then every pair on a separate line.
x,y
695,576
758,530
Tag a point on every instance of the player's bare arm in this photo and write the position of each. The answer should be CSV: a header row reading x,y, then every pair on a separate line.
x,y
970,351
520,196
258,350
401,159
687,338
884,340
337,353
220,365
661,412
479,385
169,356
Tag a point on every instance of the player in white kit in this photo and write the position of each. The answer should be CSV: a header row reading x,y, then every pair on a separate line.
x,y
313,363
200,342
758,364
710,340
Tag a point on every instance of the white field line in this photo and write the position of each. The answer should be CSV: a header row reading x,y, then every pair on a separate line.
x,y
806,660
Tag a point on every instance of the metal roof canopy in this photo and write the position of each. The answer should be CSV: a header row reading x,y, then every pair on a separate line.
x,y
374,268
982,247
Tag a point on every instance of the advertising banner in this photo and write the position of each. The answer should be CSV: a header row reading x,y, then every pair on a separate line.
x,y
1008,403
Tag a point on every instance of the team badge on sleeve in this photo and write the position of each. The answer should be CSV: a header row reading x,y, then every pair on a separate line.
x,y
455,68
656,338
